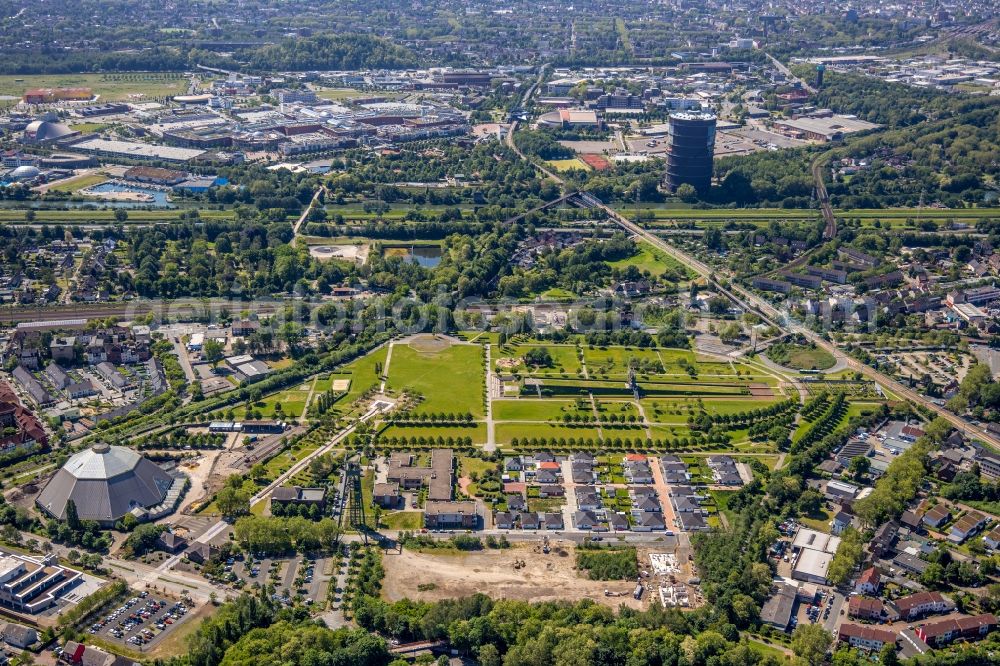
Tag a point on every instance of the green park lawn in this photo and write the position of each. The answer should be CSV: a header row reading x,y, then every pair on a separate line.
x,y
450,380
507,431
651,260
564,358
362,373
801,357
477,432
403,520
292,403
536,410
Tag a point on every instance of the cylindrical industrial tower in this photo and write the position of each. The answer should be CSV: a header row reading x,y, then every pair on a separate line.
x,y
690,150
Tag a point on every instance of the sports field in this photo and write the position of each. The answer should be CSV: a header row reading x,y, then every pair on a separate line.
x,y
569,165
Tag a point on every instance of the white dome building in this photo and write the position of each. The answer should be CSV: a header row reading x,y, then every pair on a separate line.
x,y
24,173
107,482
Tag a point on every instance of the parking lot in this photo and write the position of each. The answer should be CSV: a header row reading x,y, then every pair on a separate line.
x,y
296,576
141,620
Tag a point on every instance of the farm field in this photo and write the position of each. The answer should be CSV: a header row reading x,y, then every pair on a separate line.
x,y
450,378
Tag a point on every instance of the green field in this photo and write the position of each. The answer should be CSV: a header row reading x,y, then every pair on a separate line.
x,y
109,87
477,432
801,358
355,212
649,259
676,410
292,403
537,410
450,380
564,359
87,128
614,361
667,214
403,520
79,183
362,373
507,431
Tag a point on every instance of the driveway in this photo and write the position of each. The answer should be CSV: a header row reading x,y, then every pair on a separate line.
x,y
570,506
663,492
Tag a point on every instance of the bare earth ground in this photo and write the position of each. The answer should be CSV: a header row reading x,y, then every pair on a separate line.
x,y
198,471
549,577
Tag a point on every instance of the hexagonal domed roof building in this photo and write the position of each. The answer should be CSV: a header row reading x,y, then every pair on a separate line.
x,y
106,482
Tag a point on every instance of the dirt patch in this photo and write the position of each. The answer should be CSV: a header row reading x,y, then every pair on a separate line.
x,y
549,577
463,484
356,253
429,344
761,391
198,470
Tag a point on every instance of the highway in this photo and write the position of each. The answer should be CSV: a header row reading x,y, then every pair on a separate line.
x,y
514,124
780,66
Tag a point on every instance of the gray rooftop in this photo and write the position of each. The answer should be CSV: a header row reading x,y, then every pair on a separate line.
x,y
105,482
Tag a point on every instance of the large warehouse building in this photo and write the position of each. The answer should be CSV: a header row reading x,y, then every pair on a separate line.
x,y
690,150
107,482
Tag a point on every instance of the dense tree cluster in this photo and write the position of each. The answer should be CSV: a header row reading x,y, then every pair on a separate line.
x,y
275,536
329,52
611,563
